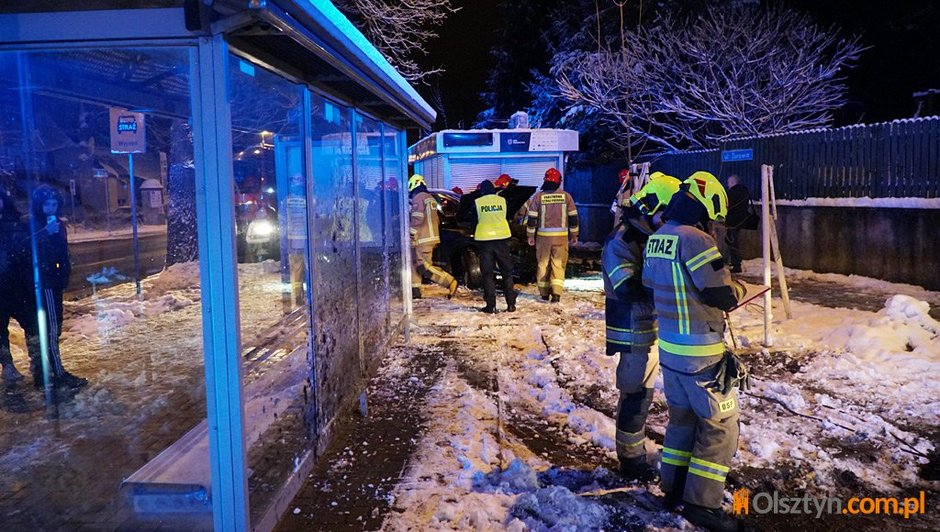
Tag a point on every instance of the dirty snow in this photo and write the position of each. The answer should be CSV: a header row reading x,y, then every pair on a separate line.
x,y
845,401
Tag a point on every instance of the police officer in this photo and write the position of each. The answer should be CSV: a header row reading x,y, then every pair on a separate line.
x,y
552,222
692,288
631,325
491,233
425,236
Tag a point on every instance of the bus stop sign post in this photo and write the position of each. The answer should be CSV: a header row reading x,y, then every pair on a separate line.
x,y
129,135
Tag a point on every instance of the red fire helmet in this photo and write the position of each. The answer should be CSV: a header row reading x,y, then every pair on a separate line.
x,y
624,175
553,175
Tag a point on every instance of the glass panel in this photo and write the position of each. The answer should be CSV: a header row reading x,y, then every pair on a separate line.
x,y
333,240
394,188
373,293
271,227
114,372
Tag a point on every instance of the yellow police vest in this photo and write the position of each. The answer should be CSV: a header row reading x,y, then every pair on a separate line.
x,y
491,218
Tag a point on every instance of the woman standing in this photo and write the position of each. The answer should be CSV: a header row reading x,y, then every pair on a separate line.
x,y
54,270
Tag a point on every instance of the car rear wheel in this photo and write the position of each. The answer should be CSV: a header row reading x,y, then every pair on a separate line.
x,y
473,277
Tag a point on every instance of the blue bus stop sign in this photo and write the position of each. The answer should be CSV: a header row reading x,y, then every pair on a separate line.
x,y
730,156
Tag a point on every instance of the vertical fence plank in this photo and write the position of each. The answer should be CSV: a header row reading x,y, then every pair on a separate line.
x,y
892,160
933,151
920,156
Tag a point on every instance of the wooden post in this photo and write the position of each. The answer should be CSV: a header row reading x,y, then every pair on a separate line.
x,y
775,243
765,240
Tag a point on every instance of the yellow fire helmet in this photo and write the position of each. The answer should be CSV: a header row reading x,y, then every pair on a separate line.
x,y
415,181
655,193
711,194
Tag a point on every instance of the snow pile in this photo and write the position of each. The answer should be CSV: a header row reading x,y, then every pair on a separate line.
x,y
107,275
556,508
904,326
176,277
894,353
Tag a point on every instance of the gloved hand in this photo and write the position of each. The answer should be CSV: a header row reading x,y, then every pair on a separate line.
x,y
531,240
739,288
732,372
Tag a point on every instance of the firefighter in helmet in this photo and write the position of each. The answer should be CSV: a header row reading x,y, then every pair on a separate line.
x,y
551,224
692,290
622,199
631,323
425,236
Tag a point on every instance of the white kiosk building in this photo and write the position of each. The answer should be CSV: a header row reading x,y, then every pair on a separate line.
x,y
462,158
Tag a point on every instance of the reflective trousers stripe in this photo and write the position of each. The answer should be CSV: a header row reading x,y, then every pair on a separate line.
x,y
707,350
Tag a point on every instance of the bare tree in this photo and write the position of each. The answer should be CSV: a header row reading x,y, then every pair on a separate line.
x,y
609,83
400,29
731,72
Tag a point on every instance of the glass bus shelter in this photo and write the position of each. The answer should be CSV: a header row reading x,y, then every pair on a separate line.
x,y
202,217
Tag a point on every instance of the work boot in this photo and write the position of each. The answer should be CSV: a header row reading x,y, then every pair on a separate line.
x,y
489,309
10,373
556,298
545,298
415,293
72,381
511,307
637,469
714,519
452,289
671,499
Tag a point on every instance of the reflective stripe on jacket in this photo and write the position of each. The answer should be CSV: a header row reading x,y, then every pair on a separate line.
x,y
552,214
679,262
629,309
424,220
491,218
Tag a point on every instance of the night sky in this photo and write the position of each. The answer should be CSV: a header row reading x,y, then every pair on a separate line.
x,y
904,55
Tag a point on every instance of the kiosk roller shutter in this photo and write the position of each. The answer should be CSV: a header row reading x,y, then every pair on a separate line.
x,y
529,170
468,173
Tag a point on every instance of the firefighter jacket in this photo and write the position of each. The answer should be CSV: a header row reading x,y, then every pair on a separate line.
x,y
552,214
629,307
491,218
684,268
424,220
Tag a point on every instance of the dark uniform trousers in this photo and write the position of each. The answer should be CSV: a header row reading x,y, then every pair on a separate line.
x,y
492,253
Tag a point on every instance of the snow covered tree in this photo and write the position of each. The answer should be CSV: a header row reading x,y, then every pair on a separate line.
x,y
400,29
693,83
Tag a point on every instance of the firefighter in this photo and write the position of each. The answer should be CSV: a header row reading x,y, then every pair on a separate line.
x,y
491,233
692,289
551,223
622,199
502,182
425,236
631,325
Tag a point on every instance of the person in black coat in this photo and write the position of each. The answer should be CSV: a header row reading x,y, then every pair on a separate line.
x,y
54,267
16,299
740,217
